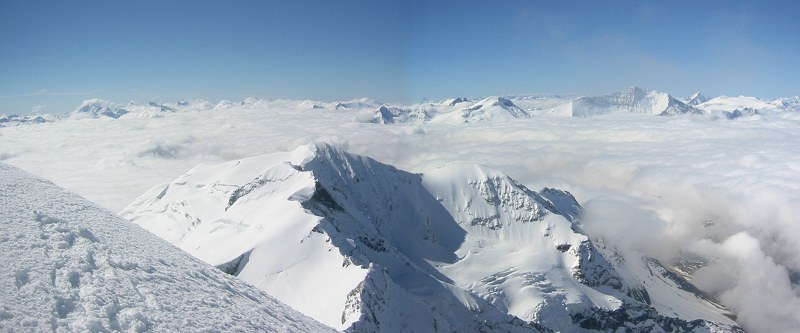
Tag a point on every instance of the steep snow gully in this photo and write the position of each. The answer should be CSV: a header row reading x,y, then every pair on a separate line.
x,y
365,247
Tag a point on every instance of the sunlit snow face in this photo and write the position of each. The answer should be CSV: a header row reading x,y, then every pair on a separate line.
x,y
728,191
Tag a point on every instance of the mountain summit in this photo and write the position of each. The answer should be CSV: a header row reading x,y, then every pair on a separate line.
x,y
696,99
96,108
634,100
488,109
365,247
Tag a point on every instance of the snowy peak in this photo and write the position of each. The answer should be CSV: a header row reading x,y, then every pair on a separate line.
x,y
384,116
455,101
696,99
76,267
380,249
392,115
29,119
149,109
250,101
347,220
159,107
96,108
670,106
395,115
454,111
490,109
745,112
730,104
361,103
791,104
194,105
635,100
491,199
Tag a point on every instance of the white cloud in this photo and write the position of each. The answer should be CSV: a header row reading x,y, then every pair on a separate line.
x,y
727,190
38,109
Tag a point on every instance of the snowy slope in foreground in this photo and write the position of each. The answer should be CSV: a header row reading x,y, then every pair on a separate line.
x,y
362,246
69,265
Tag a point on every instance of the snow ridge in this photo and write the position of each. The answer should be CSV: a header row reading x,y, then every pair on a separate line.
x,y
74,267
635,100
392,115
493,108
95,108
696,99
460,247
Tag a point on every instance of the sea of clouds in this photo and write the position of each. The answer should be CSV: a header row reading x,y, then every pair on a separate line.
x,y
725,191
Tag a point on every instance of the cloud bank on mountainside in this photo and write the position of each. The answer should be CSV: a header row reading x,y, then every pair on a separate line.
x,y
726,191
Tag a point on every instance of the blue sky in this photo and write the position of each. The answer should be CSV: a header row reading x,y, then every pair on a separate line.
x,y
54,54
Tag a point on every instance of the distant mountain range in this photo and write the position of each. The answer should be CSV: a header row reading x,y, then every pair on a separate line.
x,y
634,100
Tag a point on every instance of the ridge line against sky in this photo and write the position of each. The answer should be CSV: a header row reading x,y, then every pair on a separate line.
x,y
56,54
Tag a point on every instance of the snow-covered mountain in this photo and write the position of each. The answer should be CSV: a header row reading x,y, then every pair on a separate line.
x,y
543,104
455,101
70,266
791,104
696,99
363,246
392,115
14,119
634,100
746,112
149,109
726,103
194,105
455,110
735,107
360,103
95,108
98,108
488,109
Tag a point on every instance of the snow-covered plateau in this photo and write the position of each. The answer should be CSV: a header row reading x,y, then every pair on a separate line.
x,y
634,210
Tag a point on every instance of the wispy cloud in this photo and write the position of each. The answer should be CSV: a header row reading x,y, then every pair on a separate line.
x,y
38,108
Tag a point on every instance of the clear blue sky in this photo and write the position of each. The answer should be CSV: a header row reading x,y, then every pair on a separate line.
x,y
54,54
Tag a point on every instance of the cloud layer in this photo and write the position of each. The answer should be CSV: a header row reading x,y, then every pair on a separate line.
x,y
726,191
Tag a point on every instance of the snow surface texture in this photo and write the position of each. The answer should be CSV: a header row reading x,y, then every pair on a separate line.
x,y
70,266
717,197
363,246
